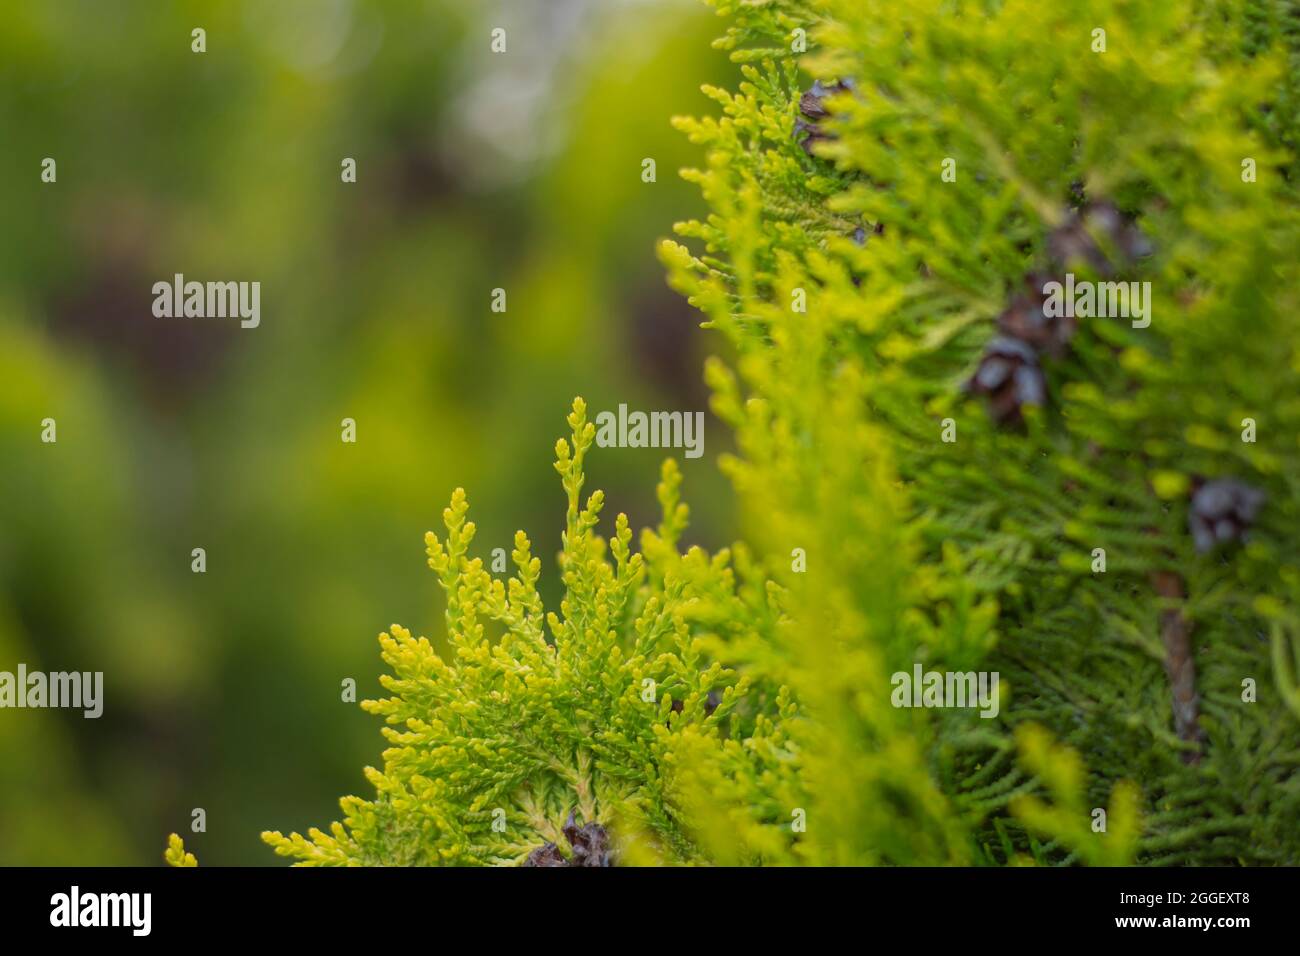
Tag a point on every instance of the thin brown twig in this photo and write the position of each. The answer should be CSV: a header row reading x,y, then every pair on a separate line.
x,y
1180,665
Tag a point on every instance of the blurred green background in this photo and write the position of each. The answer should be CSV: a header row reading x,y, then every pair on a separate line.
x,y
475,171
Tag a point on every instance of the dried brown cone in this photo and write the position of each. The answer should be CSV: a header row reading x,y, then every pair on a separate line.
x,y
1222,511
812,104
590,843
1010,376
546,855
1100,237
1025,319
589,846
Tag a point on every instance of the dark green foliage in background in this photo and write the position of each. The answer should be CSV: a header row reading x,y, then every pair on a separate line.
x,y
1158,124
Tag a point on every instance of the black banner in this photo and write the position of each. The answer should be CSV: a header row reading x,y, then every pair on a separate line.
x,y
367,906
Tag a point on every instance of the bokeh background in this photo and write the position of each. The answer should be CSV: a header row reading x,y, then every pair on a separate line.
x,y
475,171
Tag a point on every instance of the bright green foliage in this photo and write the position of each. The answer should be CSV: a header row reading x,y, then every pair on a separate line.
x,y
522,730
917,547
175,853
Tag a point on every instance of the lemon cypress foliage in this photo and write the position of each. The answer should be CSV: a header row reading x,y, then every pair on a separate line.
x,y
940,173
175,854
556,734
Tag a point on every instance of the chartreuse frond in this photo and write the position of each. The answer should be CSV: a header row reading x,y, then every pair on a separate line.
x,y
175,854
511,748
